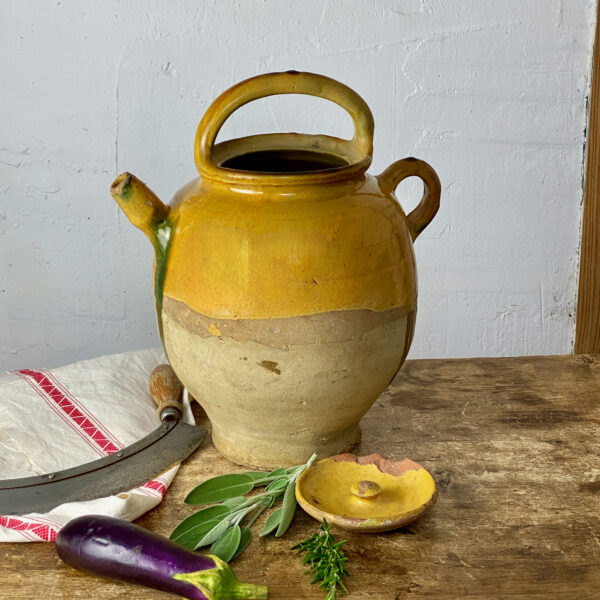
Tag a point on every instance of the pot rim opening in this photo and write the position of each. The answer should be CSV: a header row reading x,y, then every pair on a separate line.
x,y
340,154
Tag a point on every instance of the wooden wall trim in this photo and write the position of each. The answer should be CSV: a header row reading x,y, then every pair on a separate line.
x,y
587,329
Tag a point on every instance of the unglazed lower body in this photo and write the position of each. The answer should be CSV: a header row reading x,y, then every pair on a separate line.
x,y
277,390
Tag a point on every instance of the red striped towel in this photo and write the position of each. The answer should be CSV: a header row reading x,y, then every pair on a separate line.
x,y
60,418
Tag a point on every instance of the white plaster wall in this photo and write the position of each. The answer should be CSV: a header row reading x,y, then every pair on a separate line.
x,y
491,93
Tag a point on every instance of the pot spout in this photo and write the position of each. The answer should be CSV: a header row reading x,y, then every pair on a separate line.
x,y
141,205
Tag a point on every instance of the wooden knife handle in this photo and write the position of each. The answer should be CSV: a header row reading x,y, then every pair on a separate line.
x,y
166,389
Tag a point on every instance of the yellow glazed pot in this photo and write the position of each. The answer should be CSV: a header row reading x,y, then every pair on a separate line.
x,y
285,277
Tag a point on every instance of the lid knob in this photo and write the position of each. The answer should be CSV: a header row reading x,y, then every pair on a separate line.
x,y
365,489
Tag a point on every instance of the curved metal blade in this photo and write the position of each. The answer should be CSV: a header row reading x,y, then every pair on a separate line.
x,y
168,444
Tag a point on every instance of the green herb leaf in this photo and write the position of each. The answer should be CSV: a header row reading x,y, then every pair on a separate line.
x,y
213,534
221,488
278,484
326,560
232,508
288,508
226,546
196,526
244,541
272,522
239,515
235,502
256,475
277,472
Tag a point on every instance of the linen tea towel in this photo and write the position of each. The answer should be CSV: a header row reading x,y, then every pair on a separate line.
x,y
60,418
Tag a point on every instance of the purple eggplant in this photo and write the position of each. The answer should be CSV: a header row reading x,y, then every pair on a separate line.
x,y
126,552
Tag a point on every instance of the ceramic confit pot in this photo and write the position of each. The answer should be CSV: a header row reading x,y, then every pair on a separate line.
x,y
285,277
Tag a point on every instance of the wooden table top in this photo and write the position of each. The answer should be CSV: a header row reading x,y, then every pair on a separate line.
x,y
513,444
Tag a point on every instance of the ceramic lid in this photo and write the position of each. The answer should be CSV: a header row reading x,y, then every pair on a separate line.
x,y
367,493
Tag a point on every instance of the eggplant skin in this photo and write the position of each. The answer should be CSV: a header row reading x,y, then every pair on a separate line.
x,y
123,551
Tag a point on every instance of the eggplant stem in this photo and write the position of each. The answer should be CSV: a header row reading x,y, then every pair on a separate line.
x,y
221,583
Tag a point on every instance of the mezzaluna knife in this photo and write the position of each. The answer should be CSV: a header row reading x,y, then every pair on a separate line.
x,y
168,444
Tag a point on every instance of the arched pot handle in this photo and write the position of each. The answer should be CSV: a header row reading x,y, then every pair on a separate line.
x,y
270,84
422,215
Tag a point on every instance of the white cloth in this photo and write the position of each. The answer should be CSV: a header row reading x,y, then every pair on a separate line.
x,y
60,418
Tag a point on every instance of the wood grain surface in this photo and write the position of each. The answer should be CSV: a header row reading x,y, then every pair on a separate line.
x,y
513,444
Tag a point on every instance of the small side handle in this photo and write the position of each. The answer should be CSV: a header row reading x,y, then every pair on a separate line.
x,y
166,390
422,215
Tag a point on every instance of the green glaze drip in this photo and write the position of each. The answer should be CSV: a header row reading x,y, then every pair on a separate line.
x,y
161,240
221,583
126,193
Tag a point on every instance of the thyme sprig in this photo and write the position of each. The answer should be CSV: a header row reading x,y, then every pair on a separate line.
x,y
326,560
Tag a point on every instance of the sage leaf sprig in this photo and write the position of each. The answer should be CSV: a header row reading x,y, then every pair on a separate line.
x,y
229,512
326,560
